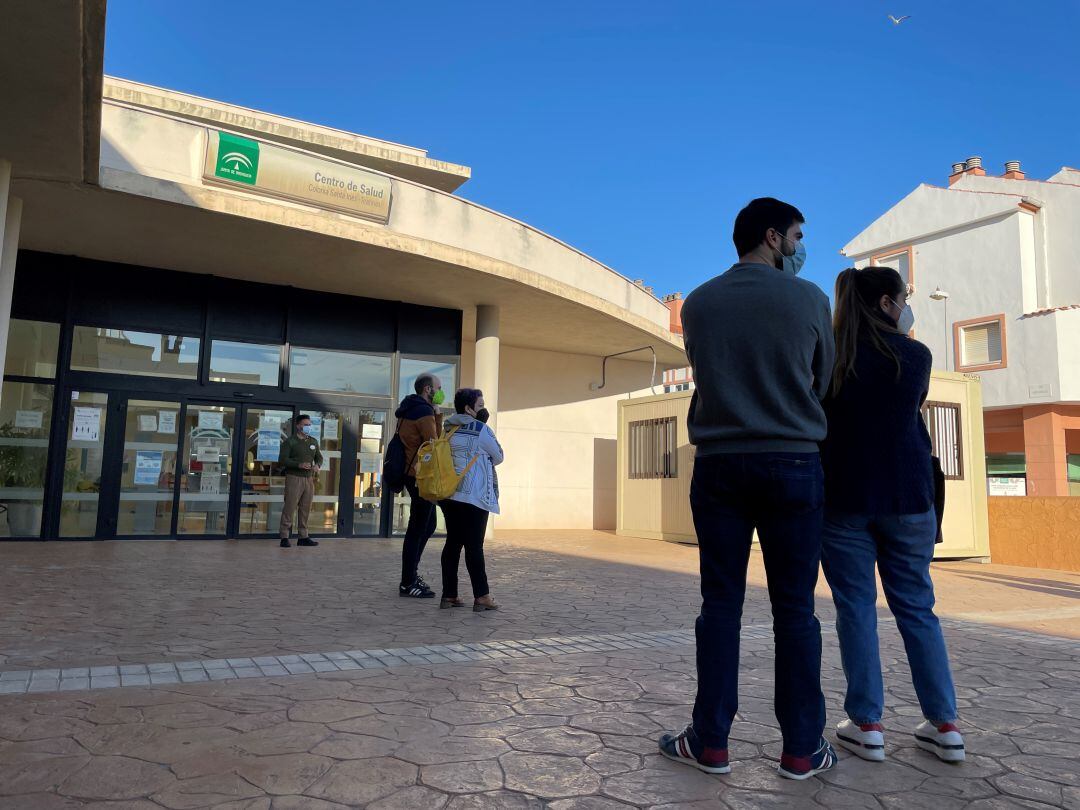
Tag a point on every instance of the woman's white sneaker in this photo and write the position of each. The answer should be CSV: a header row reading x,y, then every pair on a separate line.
x,y
866,741
944,741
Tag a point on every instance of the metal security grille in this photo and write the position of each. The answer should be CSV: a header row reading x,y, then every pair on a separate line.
x,y
943,422
653,448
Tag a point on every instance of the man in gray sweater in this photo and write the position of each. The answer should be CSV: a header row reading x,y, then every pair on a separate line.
x,y
761,347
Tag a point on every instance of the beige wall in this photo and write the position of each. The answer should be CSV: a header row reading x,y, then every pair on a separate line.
x,y
660,508
560,437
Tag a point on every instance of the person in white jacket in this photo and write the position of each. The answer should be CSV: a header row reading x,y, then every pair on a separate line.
x,y
466,511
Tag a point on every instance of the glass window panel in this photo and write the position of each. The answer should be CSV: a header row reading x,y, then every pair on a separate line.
x,y
328,427
248,363
206,465
25,415
347,372
148,474
145,354
82,464
32,348
262,489
412,367
367,487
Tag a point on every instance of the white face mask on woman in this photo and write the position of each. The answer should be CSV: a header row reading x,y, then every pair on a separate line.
x,y
906,322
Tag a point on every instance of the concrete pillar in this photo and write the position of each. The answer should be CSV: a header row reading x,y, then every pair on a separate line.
x,y
486,373
10,221
1045,453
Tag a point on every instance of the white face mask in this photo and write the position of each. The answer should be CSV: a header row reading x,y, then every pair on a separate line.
x,y
906,322
793,264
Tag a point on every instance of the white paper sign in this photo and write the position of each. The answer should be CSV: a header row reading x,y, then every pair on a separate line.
x,y
208,455
1007,487
211,420
371,432
210,480
166,421
86,426
269,422
330,430
370,462
28,419
269,445
148,423
147,467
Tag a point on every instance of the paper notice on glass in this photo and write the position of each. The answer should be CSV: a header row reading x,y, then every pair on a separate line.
x,y
315,428
371,432
208,455
148,423
211,420
166,422
370,462
330,430
210,480
86,424
269,445
28,419
270,421
147,467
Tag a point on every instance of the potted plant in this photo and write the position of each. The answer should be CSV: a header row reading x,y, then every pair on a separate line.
x,y
21,467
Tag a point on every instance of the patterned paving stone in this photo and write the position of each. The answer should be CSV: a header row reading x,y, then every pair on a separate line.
x,y
364,780
548,776
116,778
463,777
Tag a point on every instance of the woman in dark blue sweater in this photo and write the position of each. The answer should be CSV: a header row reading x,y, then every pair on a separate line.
x,y
879,502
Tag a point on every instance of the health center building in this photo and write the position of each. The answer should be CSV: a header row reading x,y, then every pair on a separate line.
x,y
181,277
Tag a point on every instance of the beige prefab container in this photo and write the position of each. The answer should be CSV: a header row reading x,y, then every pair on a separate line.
x,y
659,507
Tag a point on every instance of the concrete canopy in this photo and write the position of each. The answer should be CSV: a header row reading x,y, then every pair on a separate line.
x,y
51,60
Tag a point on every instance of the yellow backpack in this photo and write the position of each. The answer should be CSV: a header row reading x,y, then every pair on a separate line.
x,y
436,478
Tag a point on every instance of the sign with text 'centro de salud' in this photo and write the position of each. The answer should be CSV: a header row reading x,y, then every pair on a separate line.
x,y
279,172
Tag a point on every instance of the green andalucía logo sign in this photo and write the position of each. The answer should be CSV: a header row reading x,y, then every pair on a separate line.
x,y
237,159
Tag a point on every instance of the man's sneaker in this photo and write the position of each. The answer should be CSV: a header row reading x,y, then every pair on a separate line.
x,y
285,543
418,590
804,767
688,749
944,741
307,541
866,741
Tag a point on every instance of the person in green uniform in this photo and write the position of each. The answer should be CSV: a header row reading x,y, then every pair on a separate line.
x,y
302,459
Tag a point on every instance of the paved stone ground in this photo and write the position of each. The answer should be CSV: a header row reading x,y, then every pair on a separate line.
x,y
550,728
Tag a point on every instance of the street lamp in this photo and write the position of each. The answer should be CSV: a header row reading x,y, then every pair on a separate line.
x,y
940,295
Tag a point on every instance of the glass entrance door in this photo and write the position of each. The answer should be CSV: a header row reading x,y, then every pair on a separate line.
x,y
83,463
262,477
206,466
148,469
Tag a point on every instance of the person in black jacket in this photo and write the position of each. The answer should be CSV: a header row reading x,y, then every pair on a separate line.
x,y
879,508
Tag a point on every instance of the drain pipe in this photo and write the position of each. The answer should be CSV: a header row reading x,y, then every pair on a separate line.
x,y
603,368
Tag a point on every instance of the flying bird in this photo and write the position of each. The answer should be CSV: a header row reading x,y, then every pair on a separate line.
x,y
898,20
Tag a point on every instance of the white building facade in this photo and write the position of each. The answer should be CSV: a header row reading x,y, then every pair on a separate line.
x,y
993,267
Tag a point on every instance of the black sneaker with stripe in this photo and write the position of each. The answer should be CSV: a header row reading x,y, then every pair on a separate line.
x,y
686,748
799,768
418,590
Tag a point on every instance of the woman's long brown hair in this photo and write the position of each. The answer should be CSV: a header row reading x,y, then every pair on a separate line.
x,y
858,317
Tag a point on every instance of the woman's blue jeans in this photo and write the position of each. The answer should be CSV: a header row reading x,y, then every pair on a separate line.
x,y
902,546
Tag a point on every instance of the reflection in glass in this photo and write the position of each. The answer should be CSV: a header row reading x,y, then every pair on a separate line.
x,y
346,372
411,368
148,474
146,354
367,488
247,363
25,416
32,348
328,427
82,464
206,465
262,490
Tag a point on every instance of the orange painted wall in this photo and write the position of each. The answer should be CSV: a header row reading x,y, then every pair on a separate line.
x,y
1035,532
1004,431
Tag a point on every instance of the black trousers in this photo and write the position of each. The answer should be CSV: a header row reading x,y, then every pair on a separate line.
x,y
465,528
421,526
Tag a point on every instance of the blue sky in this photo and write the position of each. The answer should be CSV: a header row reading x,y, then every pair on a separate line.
x,y
636,130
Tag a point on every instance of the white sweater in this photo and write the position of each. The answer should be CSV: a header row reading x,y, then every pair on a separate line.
x,y
474,439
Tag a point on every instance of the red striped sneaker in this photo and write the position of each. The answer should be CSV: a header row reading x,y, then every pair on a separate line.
x,y
865,740
688,749
944,741
804,767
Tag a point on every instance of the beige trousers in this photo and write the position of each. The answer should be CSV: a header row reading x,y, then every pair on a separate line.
x,y
299,492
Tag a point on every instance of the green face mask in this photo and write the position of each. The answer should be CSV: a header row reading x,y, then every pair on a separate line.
x,y
438,398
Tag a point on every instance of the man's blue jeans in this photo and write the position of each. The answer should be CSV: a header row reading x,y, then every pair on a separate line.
x,y
902,546
782,496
